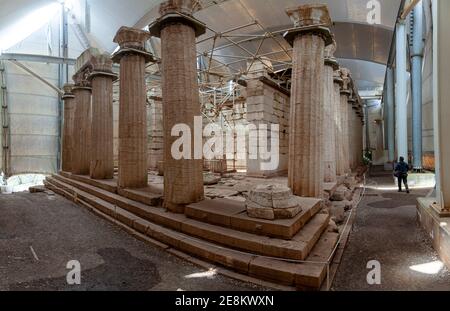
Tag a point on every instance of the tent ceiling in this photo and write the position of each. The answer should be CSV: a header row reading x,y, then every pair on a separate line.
x,y
365,48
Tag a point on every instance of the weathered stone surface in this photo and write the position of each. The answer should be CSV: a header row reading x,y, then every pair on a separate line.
x,y
309,15
337,213
68,128
82,125
210,179
102,162
183,179
306,158
341,194
256,211
345,92
287,213
338,124
172,6
128,37
133,168
329,124
37,189
332,227
274,201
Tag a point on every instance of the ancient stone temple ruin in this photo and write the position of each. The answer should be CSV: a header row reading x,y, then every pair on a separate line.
x,y
242,136
290,211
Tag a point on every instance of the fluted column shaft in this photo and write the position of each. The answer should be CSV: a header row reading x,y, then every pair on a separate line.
x,y
183,179
82,131
345,132
329,124
132,123
132,56
351,135
306,121
102,162
339,129
306,156
68,131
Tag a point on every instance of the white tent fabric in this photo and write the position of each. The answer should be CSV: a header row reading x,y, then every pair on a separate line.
x,y
33,107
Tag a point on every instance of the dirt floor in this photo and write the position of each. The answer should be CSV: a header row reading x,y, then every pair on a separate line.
x,y
386,230
40,234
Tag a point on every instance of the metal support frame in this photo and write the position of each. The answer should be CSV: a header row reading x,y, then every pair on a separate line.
x,y
37,58
5,139
390,111
31,72
417,48
63,76
401,91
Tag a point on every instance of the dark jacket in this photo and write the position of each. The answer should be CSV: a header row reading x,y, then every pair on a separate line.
x,y
401,169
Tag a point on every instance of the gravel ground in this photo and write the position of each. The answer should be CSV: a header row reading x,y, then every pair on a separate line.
x,y
386,230
40,234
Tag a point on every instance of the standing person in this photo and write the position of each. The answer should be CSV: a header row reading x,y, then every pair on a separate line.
x,y
401,172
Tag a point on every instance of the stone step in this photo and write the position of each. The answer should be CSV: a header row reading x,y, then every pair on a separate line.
x,y
152,199
297,249
307,276
233,214
144,195
108,185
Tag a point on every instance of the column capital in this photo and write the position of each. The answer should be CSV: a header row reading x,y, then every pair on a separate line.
x,y
102,66
310,19
67,88
132,41
177,11
81,79
337,78
345,76
332,62
83,69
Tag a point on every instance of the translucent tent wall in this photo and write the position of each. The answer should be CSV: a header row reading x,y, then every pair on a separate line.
x,y
33,108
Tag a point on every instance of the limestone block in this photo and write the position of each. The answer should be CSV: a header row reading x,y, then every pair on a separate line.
x,y
261,196
287,213
346,205
210,179
255,211
332,227
337,213
272,202
341,194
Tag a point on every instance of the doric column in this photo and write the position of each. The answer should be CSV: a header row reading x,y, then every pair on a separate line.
x,y
68,135
359,131
306,159
156,147
338,124
102,77
132,56
329,124
183,178
82,123
351,131
345,94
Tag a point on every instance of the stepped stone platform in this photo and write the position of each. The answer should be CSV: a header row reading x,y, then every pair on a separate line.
x,y
218,231
233,214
